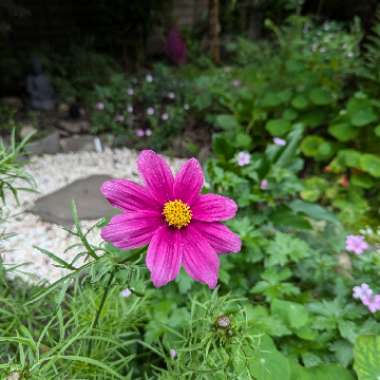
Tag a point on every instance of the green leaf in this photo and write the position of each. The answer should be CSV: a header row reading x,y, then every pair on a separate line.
x,y
222,147
266,362
377,131
362,180
320,96
360,111
278,127
343,131
300,102
316,147
227,122
350,158
290,114
367,357
314,188
370,164
243,141
313,210
293,314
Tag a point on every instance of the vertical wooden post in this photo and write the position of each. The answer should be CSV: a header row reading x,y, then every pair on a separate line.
x,y
214,30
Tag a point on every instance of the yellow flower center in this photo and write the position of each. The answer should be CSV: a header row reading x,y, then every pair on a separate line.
x,y
177,213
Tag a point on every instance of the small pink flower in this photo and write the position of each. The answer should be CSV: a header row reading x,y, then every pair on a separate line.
x,y
126,293
99,106
279,142
356,244
236,83
150,111
181,226
243,158
362,292
372,303
140,132
173,353
264,184
165,116
148,132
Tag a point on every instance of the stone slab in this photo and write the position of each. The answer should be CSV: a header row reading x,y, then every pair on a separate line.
x,y
91,205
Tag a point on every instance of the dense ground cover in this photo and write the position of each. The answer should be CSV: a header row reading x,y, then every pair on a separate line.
x,y
294,126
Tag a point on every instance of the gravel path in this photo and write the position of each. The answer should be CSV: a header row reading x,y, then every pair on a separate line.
x,y
50,173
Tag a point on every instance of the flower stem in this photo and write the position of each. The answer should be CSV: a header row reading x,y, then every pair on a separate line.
x,y
100,308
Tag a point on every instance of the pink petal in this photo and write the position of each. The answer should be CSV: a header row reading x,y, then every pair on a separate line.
x,y
132,230
188,181
199,259
128,195
157,175
220,237
164,256
213,208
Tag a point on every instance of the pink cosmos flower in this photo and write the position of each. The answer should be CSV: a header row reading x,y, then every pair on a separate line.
x,y
181,226
356,244
173,353
264,184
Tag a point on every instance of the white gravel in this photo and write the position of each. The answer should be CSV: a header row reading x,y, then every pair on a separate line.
x,y
50,173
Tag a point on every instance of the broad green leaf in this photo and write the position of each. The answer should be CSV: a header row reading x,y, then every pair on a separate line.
x,y
370,164
343,131
367,357
267,363
313,210
320,96
291,115
362,180
360,111
377,131
278,127
292,313
227,122
316,147
243,141
300,102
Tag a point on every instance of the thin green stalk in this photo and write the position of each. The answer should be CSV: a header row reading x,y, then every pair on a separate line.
x,y
100,308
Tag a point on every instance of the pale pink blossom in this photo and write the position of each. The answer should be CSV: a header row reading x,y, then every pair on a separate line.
x,y
150,111
99,106
356,244
264,184
173,353
243,158
126,293
140,132
278,141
